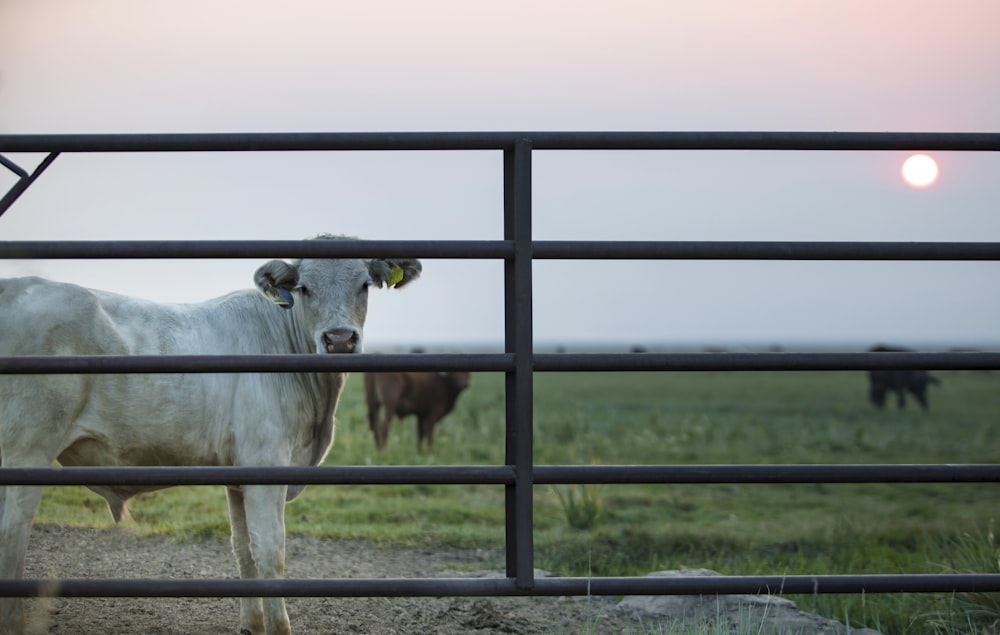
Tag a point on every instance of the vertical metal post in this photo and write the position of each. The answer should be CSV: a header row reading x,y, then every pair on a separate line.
x,y
518,339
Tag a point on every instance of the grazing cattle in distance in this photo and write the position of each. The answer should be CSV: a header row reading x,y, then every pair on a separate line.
x,y
225,419
429,396
881,382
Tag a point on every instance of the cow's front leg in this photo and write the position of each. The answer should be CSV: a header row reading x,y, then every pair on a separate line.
x,y
425,428
251,609
259,545
380,428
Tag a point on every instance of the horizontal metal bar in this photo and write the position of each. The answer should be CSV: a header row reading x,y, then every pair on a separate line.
x,y
295,475
495,362
382,587
475,587
258,142
499,249
664,140
116,364
775,474
167,249
722,140
503,475
570,362
769,585
763,250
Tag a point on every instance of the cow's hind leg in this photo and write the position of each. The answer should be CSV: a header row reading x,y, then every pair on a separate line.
x,y
18,504
259,543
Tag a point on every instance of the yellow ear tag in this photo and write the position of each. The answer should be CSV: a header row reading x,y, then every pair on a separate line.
x,y
395,276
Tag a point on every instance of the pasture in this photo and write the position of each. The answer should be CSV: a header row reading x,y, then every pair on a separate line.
x,y
670,418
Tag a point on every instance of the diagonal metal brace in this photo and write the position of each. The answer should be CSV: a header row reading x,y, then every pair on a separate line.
x,y
25,179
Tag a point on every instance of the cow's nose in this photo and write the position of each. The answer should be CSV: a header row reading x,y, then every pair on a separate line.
x,y
341,340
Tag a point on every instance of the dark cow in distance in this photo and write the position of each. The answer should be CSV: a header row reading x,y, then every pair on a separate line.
x,y
428,395
881,382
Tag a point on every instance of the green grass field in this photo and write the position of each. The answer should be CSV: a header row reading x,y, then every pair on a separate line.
x,y
672,418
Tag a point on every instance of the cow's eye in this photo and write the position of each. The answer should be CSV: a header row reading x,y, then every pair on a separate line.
x,y
303,290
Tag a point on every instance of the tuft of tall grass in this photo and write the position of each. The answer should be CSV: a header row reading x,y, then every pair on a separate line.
x,y
975,551
584,512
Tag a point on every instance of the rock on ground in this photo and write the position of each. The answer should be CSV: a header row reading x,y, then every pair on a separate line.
x,y
771,613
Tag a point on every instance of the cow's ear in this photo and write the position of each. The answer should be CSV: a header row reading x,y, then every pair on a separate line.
x,y
275,279
394,272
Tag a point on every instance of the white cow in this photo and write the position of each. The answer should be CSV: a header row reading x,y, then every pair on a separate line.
x,y
244,419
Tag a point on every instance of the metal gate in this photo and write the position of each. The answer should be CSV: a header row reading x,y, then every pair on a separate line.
x,y
518,362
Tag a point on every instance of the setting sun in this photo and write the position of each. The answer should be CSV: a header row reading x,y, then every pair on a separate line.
x,y
920,170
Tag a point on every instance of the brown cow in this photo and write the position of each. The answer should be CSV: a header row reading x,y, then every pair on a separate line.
x,y
430,396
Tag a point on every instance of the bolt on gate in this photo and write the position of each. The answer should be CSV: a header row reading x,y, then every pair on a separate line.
x,y
518,362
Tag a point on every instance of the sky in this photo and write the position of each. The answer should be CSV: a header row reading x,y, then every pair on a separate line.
x,y
162,66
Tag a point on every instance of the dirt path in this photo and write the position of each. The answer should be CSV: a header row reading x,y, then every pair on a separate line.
x,y
108,553
59,552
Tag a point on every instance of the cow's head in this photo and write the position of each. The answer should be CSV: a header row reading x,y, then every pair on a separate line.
x,y
458,380
331,295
